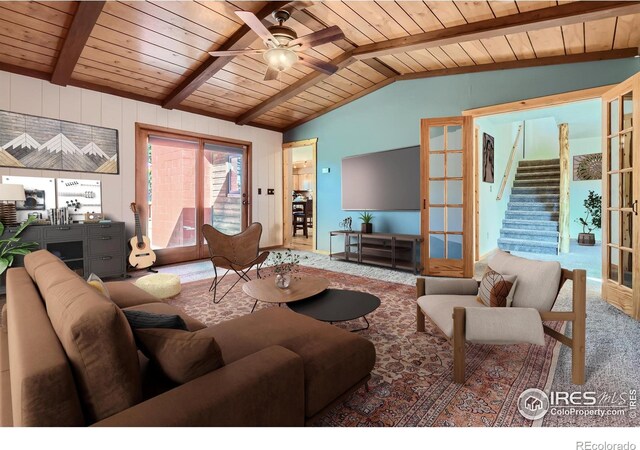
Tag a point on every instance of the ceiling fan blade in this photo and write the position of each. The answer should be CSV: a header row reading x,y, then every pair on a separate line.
x,y
318,65
325,36
257,26
236,52
271,74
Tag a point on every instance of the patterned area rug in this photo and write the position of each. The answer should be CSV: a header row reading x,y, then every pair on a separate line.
x,y
412,382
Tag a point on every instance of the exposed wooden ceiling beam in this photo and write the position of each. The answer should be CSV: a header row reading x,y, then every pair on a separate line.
x,y
360,94
523,63
81,26
551,60
291,91
314,24
569,13
241,39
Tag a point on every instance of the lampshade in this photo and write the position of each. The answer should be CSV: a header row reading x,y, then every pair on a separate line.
x,y
280,58
11,192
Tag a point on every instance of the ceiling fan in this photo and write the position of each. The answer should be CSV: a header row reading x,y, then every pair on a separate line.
x,y
284,47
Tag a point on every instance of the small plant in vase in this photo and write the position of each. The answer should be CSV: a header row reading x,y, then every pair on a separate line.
x,y
592,220
367,225
284,265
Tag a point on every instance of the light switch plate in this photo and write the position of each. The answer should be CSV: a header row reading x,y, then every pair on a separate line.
x,y
326,170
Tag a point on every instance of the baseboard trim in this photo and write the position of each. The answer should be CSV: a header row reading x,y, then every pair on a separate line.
x,y
487,254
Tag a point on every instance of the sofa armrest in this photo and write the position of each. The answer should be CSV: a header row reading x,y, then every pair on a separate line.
x,y
446,286
265,388
503,326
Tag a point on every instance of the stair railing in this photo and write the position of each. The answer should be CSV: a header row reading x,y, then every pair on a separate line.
x,y
507,169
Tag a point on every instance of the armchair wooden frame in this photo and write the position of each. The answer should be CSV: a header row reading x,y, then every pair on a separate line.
x,y
577,316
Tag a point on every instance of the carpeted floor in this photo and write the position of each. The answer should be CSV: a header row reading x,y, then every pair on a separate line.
x,y
613,353
412,383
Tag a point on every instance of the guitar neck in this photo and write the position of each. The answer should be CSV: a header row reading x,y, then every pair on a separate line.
x,y
138,227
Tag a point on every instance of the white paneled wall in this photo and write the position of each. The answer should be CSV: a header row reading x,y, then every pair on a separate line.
x,y
40,98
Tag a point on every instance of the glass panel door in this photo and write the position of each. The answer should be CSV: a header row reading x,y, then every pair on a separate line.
x,y
620,199
224,191
447,203
184,181
171,221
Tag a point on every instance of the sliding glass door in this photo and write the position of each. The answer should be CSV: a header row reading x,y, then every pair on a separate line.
x,y
171,218
224,197
184,181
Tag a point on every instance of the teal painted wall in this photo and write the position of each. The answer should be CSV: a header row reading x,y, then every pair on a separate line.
x,y
390,118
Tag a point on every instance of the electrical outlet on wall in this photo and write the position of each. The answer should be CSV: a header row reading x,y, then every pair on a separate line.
x,y
271,192
259,191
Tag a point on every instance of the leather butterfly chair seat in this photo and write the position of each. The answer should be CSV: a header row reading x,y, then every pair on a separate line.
x,y
238,252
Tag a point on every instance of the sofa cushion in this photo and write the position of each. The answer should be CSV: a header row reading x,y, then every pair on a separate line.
x,y
439,308
95,336
496,290
334,359
126,294
538,281
96,282
43,389
165,309
181,355
144,319
503,326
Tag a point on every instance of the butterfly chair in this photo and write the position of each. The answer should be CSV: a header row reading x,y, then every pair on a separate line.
x,y
451,305
238,252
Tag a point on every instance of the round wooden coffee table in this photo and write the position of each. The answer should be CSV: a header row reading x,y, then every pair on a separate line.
x,y
265,289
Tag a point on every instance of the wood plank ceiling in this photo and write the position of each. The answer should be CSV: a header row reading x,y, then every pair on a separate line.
x,y
146,49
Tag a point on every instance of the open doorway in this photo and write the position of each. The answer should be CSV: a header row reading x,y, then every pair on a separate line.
x,y
299,181
535,168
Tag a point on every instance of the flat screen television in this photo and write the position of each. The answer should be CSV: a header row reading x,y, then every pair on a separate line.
x,y
382,181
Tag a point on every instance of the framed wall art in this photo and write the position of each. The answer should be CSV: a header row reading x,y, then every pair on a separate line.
x,y
587,167
50,144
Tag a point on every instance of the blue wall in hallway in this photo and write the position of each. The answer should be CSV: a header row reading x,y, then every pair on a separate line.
x,y
390,118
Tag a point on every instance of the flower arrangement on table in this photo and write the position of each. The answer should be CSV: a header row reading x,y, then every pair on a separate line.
x,y
284,265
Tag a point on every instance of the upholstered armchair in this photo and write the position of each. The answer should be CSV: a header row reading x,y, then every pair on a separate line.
x,y
451,305
239,252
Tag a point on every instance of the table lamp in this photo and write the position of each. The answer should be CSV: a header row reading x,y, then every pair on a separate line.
x,y
9,195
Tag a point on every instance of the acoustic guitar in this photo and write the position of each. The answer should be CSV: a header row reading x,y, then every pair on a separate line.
x,y
141,256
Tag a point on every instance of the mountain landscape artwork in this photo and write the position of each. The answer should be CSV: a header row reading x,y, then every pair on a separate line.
x,y
50,144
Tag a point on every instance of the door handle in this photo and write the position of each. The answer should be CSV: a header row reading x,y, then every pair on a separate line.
x,y
634,207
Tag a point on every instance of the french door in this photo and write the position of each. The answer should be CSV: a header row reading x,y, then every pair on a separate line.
x,y
186,180
446,173
621,191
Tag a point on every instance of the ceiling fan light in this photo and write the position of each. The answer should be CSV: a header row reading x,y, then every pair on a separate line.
x,y
280,58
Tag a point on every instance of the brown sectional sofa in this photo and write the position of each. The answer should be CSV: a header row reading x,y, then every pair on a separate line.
x,y
68,358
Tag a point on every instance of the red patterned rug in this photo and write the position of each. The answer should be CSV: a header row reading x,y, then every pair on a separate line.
x,y
412,381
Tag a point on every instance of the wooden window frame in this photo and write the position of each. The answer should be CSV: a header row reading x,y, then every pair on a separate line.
x,y
199,250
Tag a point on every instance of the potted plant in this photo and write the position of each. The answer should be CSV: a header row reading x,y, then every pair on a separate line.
x,y
284,265
366,226
12,247
592,219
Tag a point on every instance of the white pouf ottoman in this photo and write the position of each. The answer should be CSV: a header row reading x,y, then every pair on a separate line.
x,y
162,285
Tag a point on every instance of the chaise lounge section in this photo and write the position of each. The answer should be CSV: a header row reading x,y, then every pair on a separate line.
x,y
69,358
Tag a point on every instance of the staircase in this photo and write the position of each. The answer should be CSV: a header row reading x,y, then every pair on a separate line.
x,y
531,220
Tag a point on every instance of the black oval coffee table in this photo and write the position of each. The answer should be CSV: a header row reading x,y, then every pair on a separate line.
x,y
337,305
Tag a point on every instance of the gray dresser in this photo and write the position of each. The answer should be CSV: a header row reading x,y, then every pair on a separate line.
x,y
98,248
